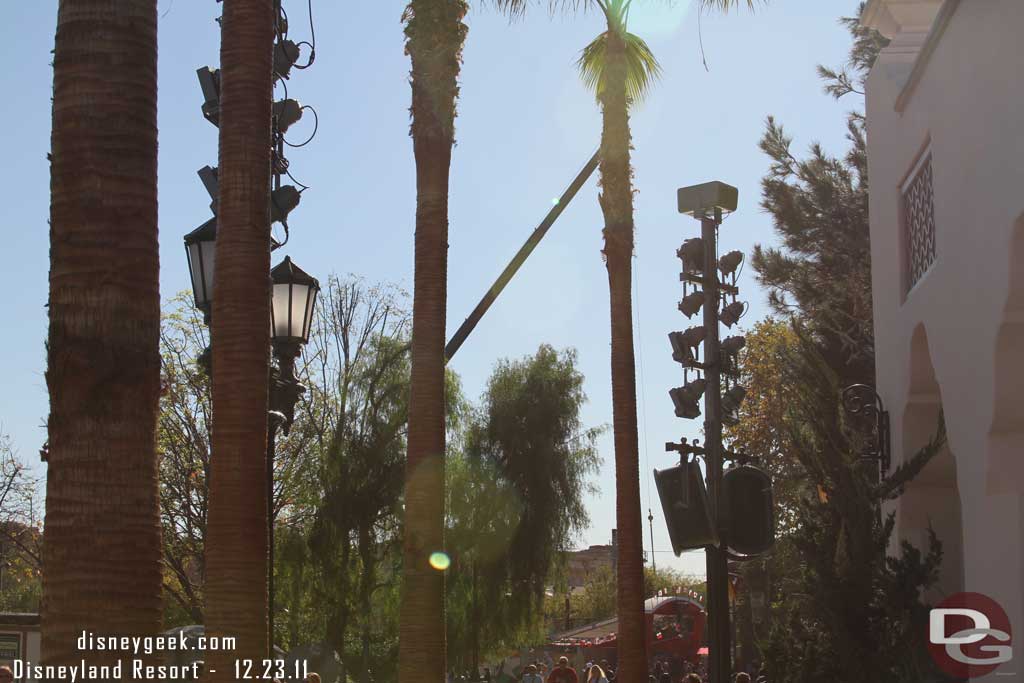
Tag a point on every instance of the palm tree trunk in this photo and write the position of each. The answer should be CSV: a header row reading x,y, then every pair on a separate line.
x,y
102,546
617,205
237,563
434,38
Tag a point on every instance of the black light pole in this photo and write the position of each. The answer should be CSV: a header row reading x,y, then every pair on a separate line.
x,y
717,562
650,520
292,302
293,291
706,203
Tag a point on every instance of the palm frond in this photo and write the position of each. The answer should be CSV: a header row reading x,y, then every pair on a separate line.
x,y
516,9
729,5
642,68
592,64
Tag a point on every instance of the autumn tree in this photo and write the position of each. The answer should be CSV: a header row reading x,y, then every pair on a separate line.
x,y
20,532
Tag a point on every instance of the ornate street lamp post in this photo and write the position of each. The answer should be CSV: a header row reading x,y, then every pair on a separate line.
x,y
293,297
291,316
199,246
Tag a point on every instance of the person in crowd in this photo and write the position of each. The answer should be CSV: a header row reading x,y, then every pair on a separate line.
x,y
563,673
312,677
531,676
665,676
609,672
6,675
596,675
692,678
675,668
742,677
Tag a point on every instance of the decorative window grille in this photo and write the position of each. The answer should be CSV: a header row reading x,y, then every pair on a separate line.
x,y
919,220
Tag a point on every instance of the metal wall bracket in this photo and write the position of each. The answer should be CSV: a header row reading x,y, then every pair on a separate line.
x,y
863,400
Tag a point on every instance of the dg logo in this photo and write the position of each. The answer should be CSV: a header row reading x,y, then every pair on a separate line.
x,y
969,635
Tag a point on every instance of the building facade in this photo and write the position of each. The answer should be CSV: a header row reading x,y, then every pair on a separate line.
x,y
584,565
945,120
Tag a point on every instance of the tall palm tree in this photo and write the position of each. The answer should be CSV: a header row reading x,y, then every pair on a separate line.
x,y
620,68
236,538
101,549
435,34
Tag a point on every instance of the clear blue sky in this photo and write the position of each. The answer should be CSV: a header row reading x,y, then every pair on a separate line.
x,y
526,125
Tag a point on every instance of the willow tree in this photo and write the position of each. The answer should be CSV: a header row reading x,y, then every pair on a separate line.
x,y
102,533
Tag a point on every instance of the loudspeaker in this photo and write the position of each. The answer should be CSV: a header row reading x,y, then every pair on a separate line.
x,y
748,510
687,511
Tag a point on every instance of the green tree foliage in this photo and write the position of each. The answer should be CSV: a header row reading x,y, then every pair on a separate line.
x,y
359,367
842,610
516,500
517,470
596,600
183,447
668,582
819,206
846,612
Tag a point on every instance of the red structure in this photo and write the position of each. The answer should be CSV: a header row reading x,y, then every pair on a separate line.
x,y
675,629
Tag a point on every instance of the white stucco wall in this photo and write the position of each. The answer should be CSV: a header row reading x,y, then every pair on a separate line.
x,y
956,340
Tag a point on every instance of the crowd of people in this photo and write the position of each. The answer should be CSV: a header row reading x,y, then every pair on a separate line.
x,y
603,672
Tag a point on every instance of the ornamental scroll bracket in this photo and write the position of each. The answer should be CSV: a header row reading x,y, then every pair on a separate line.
x,y
863,401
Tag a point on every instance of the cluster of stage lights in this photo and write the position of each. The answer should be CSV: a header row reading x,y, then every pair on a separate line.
x,y
200,243
685,344
286,112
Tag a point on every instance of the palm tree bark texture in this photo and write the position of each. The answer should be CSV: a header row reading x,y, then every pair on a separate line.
x,y
101,551
616,201
435,34
236,541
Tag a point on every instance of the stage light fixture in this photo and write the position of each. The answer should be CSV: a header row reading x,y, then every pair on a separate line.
x,y
733,345
685,398
691,304
692,255
732,313
209,81
286,113
730,262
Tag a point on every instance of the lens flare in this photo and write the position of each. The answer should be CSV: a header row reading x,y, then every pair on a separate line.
x,y
554,202
440,561
652,20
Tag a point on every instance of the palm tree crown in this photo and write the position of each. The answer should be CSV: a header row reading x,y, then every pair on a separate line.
x,y
516,8
642,69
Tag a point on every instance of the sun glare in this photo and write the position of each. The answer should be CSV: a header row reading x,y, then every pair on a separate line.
x,y
440,561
